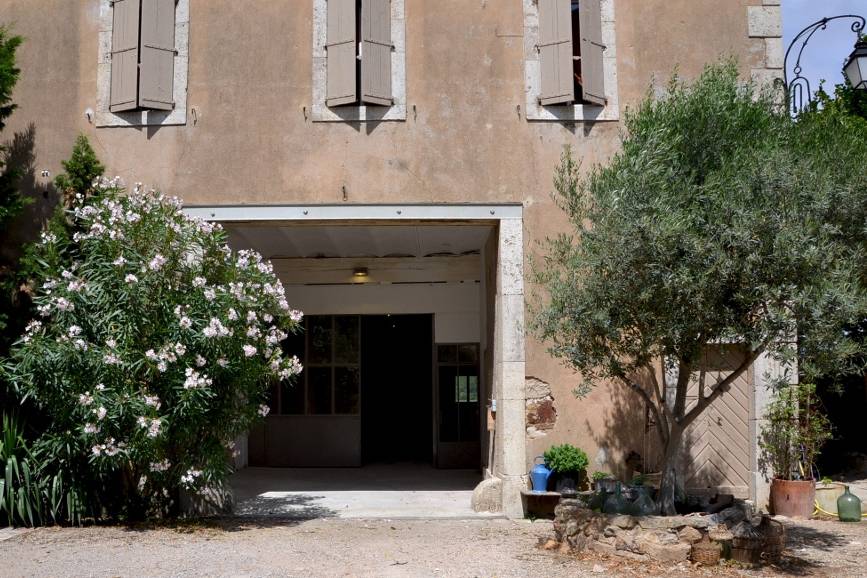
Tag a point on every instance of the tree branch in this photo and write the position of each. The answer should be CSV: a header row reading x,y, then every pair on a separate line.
x,y
662,427
684,371
666,412
721,386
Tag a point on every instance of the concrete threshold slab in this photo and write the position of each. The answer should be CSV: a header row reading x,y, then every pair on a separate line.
x,y
350,504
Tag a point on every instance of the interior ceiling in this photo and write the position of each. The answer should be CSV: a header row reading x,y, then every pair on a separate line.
x,y
299,241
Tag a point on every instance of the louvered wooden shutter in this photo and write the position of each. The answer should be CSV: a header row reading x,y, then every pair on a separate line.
x,y
555,51
124,55
340,44
376,49
592,75
157,70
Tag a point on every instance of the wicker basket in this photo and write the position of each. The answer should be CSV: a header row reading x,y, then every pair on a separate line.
x,y
747,544
705,552
722,536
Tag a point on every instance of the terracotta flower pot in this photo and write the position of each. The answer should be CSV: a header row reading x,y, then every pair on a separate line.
x,y
793,498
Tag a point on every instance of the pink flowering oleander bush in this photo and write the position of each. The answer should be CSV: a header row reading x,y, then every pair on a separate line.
x,y
154,348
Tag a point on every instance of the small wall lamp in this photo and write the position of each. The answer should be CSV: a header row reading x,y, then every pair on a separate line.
x,y
360,272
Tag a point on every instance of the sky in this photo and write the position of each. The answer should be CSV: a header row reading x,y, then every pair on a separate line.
x,y
828,49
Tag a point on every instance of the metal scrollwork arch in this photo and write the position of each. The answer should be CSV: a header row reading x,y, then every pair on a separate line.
x,y
799,93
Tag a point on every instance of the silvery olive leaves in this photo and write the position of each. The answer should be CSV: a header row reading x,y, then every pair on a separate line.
x,y
155,345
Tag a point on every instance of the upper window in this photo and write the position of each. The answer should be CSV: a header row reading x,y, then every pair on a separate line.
x,y
358,61
142,75
569,65
359,52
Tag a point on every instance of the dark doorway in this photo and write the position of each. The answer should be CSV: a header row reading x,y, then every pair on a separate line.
x,y
845,455
396,388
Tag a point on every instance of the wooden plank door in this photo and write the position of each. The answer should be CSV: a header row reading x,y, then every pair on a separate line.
x,y
719,447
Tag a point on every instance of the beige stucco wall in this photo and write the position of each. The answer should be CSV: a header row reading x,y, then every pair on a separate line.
x,y
464,139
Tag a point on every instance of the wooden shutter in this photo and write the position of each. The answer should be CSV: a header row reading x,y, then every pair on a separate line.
x,y
124,55
376,49
592,75
340,44
555,51
157,70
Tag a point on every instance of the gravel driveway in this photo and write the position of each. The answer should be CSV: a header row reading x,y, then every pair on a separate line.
x,y
336,547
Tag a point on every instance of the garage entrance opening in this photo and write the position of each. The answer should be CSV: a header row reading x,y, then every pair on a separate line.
x,y
396,392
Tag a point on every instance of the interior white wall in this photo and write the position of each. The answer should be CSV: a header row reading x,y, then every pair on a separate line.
x,y
455,306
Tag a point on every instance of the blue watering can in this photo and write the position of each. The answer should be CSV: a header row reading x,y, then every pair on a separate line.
x,y
539,475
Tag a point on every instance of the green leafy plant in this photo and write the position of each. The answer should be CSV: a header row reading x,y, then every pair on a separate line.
x,y
639,479
33,491
599,476
16,283
566,459
20,496
795,430
82,168
154,349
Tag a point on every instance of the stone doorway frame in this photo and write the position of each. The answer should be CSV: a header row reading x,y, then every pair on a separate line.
x,y
506,468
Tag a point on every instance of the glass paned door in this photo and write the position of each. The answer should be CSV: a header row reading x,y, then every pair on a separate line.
x,y
458,406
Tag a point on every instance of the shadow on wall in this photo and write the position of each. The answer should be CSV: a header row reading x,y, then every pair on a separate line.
x,y
627,437
20,156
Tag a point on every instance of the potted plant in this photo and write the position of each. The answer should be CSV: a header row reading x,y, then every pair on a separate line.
x,y
568,465
827,492
794,432
603,481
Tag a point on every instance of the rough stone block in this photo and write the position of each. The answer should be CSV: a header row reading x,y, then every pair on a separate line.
x,y
672,522
603,547
764,21
677,552
729,517
625,522
488,496
689,535
774,52
578,542
536,388
660,548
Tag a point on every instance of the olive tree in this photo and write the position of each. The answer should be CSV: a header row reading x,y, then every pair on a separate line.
x,y
717,222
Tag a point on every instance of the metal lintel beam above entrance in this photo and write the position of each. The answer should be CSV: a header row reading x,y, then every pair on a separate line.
x,y
435,212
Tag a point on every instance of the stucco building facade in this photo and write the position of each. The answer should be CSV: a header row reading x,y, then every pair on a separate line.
x,y
394,159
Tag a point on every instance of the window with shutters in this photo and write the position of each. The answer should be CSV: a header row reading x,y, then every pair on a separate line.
x,y
570,62
358,60
143,61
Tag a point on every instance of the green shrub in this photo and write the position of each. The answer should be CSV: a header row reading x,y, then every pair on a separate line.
x,y
566,459
795,430
598,476
29,497
81,170
155,349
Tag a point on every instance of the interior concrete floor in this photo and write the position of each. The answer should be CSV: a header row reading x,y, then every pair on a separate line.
x,y
374,491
